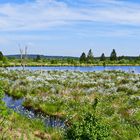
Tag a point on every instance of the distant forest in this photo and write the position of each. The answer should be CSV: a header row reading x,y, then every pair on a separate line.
x,y
83,59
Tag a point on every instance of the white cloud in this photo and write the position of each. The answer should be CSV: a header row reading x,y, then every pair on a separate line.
x,y
43,14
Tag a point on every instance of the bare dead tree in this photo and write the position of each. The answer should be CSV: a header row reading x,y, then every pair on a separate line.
x,y
26,48
23,56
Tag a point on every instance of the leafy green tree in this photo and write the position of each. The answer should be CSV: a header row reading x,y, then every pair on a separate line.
x,y
5,60
70,61
102,58
113,55
90,57
139,57
1,56
54,61
121,57
38,57
83,57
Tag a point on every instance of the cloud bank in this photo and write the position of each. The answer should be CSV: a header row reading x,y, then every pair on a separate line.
x,y
45,14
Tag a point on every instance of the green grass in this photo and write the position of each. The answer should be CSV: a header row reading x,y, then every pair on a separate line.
x,y
68,95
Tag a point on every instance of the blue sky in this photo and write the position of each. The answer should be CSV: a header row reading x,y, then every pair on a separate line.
x,y
69,27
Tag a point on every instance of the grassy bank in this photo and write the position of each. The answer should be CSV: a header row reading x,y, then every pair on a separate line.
x,y
14,126
68,62
67,65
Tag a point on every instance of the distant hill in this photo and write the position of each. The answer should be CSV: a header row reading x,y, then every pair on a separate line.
x,y
32,56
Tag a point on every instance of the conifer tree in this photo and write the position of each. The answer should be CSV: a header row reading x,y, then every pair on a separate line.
x,y
113,55
83,57
90,57
102,58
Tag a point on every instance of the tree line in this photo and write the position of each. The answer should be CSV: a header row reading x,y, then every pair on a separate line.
x,y
82,60
89,58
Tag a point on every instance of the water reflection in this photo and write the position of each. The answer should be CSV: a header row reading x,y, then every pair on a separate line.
x,y
16,105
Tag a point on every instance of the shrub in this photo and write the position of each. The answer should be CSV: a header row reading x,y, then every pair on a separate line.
x,y
88,128
3,111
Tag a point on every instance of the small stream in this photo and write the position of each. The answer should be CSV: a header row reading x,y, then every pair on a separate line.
x,y
16,105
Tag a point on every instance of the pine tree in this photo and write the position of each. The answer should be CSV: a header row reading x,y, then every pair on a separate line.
x,y
113,55
90,57
102,58
83,57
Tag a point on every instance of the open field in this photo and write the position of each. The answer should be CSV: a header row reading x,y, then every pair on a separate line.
x,y
112,96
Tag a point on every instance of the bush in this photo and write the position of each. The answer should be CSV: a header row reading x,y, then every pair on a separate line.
x,y
87,128
3,111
